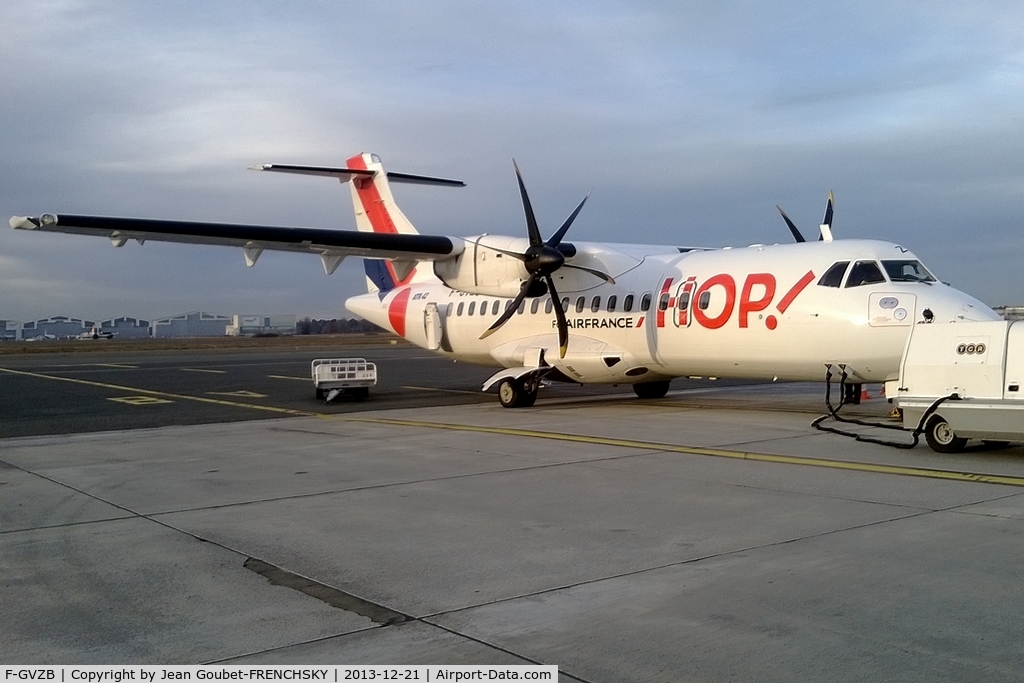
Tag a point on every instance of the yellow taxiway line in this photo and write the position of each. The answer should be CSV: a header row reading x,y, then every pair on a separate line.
x,y
164,394
951,475
876,468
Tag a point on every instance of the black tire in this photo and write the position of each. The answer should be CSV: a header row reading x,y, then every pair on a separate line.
x,y
512,394
940,436
651,389
320,393
361,393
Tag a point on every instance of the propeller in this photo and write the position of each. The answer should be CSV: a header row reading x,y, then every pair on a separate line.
x,y
824,229
792,226
541,259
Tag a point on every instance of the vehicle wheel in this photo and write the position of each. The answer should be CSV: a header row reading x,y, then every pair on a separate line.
x,y
361,393
320,393
512,394
940,436
651,389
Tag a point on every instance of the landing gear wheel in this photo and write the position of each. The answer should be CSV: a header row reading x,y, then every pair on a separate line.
x,y
940,436
361,393
513,394
320,393
651,389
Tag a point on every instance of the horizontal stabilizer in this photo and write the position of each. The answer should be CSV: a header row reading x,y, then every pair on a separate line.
x,y
346,174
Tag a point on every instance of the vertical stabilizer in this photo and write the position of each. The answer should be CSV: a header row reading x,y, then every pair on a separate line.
x,y
375,211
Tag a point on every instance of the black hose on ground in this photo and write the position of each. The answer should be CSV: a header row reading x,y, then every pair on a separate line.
x,y
834,414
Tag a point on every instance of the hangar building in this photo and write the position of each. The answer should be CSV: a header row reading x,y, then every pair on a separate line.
x,y
195,324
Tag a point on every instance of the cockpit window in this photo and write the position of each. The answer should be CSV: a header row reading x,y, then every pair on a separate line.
x,y
864,273
907,271
833,277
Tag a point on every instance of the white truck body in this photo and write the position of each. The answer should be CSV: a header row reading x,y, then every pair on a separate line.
x,y
981,362
343,375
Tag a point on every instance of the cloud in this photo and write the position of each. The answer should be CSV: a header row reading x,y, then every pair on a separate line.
x,y
689,120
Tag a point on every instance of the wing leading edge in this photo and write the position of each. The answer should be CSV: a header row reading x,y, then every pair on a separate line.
x,y
331,245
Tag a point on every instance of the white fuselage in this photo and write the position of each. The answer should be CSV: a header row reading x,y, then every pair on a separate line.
x,y
753,312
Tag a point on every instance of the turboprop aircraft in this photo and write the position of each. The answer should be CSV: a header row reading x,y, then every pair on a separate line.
x,y
548,309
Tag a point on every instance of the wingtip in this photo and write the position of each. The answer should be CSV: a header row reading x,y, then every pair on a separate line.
x,y
23,223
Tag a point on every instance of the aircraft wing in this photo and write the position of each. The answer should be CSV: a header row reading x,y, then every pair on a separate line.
x,y
331,245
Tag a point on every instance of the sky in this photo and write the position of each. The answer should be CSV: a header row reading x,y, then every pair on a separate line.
x,y
689,121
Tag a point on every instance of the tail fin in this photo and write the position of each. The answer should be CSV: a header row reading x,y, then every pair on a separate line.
x,y
376,211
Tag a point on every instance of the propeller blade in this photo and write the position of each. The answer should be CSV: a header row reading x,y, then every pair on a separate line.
x,y
531,221
563,326
556,239
604,276
792,226
510,310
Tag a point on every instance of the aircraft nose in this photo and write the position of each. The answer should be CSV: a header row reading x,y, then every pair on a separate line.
x,y
952,305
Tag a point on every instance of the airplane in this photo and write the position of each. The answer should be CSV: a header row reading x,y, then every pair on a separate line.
x,y
544,310
96,334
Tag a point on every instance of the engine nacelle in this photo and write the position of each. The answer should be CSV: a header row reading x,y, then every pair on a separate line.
x,y
480,269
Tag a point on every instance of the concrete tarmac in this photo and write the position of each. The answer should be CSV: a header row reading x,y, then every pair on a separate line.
x,y
710,535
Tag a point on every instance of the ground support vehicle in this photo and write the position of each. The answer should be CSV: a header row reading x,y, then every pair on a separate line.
x,y
963,379
333,377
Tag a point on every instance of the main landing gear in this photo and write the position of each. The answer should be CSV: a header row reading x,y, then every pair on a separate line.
x,y
517,393
651,389
514,393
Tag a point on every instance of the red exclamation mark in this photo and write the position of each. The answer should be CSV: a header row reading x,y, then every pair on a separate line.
x,y
771,322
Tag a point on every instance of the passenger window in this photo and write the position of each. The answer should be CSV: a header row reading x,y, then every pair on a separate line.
x,y
548,306
833,277
663,301
565,303
472,308
704,301
595,305
496,307
580,302
459,310
645,302
449,309
535,304
684,301
864,273
627,303
522,307
611,303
